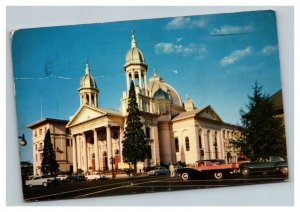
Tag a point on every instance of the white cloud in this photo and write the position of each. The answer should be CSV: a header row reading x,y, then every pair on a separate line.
x,y
236,56
191,49
229,30
185,22
269,49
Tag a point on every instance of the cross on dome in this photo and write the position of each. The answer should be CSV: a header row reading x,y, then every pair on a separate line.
x,y
133,42
87,68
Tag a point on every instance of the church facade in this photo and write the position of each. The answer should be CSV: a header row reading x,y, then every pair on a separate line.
x,y
176,130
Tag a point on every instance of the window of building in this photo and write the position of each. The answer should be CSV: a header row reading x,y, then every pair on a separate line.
x,y
35,133
176,145
36,157
41,156
200,142
149,151
69,142
40,132
187,143
148,132
117,152
223,133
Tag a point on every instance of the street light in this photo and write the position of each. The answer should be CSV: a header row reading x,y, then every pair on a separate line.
x,y
23,141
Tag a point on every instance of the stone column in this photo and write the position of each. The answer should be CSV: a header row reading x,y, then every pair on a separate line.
x,y
74,154
121,143
109,145
140,80
127,80
96,150
90,99
145,82
85,162
78,148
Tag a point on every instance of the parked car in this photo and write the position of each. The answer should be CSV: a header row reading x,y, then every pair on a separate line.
x,y
159,170
94,176
207,169
273,164
76,177
62,177
41,181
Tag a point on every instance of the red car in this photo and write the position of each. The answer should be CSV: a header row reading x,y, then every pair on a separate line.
x,y
208,169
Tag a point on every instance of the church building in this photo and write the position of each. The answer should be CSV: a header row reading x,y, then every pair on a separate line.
x,y
176,130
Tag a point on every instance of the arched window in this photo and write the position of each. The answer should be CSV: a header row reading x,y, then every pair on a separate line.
x,y
187,143
117,152
104,154
148,132
208,140
176,145
200,139
93,156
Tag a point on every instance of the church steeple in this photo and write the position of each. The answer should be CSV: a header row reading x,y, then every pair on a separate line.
x,y
133,42
88,90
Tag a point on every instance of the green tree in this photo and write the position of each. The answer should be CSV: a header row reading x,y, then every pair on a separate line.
x,y
263,132
49,163
135,146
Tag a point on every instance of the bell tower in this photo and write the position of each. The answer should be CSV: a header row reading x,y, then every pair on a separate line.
x,y
88,90
135,68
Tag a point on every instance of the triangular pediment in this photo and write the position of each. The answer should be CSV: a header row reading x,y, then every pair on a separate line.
x,y
209,113
84,114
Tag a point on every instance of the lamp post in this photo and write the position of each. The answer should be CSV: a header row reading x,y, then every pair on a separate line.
x,y
112,161
23,141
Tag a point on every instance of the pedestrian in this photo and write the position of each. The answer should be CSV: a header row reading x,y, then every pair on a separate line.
x,y
172,170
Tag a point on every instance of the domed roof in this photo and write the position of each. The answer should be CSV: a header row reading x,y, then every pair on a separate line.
x,y
156,83
160,94
134,55
87,81
189,104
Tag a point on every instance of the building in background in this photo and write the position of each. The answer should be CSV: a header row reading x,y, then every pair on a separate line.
x,y
60,140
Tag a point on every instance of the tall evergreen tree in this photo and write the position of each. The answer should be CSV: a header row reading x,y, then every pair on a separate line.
x,y
49,163
263,133
135,147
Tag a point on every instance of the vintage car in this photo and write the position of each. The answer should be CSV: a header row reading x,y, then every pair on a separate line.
x,y
40,181
159,170
62,177
94,176
273,164
76,177
207,169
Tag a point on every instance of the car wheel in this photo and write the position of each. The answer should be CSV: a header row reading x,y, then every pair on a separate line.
x,y
45,184
218,175
185,176
284,170
156,173
245,172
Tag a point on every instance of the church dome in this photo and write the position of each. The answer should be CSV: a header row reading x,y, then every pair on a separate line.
x,y
189,104
134,55
157,83
160,94
87,81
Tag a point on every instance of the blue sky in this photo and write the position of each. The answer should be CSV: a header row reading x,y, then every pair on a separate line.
x,y
214,59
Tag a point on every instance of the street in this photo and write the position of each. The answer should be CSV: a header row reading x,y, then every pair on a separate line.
x,y
135,185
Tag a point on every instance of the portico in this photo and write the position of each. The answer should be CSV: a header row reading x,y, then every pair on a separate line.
x,y
96,141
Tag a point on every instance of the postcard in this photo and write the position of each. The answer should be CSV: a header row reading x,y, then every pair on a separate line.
x,y
154,105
